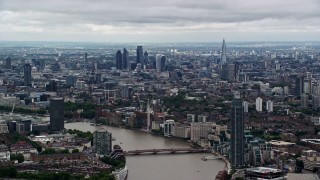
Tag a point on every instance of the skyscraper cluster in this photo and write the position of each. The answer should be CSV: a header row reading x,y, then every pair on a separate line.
x,y
122,59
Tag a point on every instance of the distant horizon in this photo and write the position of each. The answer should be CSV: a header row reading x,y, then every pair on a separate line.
x,y
169,42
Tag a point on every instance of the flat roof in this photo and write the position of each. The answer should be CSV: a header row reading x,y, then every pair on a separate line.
x,y
280,143
313,141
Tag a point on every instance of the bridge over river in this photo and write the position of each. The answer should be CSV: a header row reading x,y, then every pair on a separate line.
x,y
165,151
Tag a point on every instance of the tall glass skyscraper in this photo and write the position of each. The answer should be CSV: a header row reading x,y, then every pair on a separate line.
x,y
27,75
56,114
140,58
223,67
119,60
125,58
237,133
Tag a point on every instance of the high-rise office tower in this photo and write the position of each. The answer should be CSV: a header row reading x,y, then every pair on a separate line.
x,y
158,62
56,114
119,60
163,63
146,57
85,58
102,142
8,63
237,133
27,75
259,104
299,85
269,106
223,67
231,71
125,59
140,58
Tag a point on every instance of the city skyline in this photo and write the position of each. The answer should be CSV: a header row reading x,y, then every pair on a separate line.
x,y
165,21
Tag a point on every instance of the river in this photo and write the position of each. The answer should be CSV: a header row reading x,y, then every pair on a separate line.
x,y
157,167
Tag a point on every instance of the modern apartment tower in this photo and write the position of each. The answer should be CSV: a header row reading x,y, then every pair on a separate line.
x,y
269,106
27,74
237,133
56,114
259,104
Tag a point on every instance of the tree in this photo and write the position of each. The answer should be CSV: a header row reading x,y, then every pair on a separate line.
x,y
18,157
49,151
75,151
65,151
8,172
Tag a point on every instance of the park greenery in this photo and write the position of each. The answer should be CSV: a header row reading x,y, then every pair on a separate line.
x,y
88,110
19,157
22,110
81,134
50,151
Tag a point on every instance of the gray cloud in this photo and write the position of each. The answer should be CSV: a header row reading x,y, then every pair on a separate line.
x,y
180,20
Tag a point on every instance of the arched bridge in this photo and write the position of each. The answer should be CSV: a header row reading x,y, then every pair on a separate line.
x,y
164,151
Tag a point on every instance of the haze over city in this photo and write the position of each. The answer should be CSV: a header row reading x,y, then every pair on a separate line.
x,y
160,89
159,21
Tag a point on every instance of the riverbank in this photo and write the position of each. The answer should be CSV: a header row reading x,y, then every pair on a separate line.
x,y
154,133
177,166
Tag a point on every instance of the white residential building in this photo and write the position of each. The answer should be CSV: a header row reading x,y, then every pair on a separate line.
x,y
269,106
259,104
200,130
181,131
245,106
168,127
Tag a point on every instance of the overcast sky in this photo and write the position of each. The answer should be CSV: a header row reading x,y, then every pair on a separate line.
x,y
160,20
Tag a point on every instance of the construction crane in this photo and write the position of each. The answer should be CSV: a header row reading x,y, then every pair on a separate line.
x,y
12,108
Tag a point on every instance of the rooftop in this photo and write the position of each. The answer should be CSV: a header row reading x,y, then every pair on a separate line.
x,y
280,143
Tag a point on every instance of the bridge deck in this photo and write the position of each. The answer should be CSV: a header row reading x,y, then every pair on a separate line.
x,y
164,151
